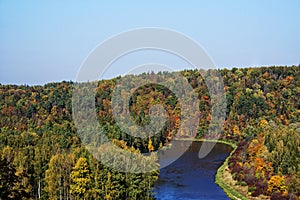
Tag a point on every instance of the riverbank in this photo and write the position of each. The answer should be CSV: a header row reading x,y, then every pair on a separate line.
x,y
223,177
230,186
208,140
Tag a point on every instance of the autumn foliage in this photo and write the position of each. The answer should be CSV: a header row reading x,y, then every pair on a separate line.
x,y
39,138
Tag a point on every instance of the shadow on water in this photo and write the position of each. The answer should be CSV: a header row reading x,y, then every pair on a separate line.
x,y
190,177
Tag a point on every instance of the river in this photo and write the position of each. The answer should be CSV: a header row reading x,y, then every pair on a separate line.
x,y
189,177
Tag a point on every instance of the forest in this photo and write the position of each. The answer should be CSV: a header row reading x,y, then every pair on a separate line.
x,y
43,157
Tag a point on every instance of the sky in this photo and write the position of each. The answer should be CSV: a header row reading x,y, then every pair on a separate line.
x,y
47,41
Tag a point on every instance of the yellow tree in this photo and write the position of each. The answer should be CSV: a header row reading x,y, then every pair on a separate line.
x,y
150,145
277,184
81,179
58,176
54,177
236,130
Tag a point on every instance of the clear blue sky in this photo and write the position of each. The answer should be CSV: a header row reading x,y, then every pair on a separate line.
x,y
46,41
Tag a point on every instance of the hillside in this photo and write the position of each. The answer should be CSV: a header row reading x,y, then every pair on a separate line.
x,y
42,155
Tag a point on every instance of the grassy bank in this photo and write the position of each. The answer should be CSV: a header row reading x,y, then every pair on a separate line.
x,y
229,190
207,140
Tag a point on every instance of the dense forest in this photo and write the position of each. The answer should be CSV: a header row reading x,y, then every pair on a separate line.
x,y
42,156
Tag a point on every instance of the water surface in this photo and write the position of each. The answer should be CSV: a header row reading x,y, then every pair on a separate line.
x,y
190,177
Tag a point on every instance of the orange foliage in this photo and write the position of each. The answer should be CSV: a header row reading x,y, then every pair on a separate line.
x,y
289,79
277,184
205,97
263,123
177,122
255,147
236,130
260,166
